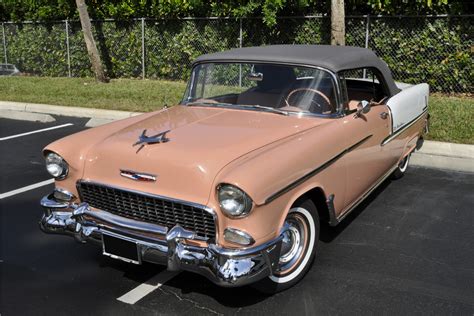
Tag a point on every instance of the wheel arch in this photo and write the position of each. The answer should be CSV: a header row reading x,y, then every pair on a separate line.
x,y
318,197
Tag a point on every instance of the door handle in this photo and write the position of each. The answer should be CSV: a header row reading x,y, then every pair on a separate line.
x,y
384,115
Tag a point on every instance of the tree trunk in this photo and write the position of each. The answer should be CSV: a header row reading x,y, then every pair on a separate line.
x,y
338,30
94,56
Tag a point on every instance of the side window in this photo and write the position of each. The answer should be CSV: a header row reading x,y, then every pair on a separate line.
x,y
363,84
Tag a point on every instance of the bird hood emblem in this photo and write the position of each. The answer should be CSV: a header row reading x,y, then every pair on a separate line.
x,y
143,139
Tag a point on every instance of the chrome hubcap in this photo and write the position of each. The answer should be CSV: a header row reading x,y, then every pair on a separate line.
x,y
293,243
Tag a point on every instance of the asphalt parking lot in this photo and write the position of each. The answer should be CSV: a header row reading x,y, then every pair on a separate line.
x,y
408,249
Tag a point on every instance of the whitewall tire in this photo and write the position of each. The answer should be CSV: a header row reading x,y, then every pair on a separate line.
x,y
401,168
298,248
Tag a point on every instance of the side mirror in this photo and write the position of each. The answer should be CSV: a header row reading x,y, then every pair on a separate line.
x,y
362,108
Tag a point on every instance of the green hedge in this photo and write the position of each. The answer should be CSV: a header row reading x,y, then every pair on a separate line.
x,y
433,50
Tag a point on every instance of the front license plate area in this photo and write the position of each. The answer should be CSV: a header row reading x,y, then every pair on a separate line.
x,y
119,248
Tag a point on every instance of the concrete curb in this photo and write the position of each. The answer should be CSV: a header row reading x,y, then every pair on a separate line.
x,y
66,110
27,116
458,157
433,154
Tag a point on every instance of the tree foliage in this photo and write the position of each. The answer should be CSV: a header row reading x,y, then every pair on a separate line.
x,y
432,50
47,10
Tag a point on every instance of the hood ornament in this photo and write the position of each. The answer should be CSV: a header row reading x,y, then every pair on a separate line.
x,y
144,177
149,140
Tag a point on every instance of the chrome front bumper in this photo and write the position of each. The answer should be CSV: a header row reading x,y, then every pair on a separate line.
x,y
223,266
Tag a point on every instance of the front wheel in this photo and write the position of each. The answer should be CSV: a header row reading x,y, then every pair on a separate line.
x,y
401,168
298,248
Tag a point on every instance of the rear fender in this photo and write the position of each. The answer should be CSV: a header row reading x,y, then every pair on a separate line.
x,y
408,104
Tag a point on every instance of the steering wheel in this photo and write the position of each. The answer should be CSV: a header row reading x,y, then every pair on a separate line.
x,y
317,92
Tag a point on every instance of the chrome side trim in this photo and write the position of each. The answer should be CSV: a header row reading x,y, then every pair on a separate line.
x,y
312,173
391,137
334,219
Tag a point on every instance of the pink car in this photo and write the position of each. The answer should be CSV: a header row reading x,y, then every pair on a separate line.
x,y
234,181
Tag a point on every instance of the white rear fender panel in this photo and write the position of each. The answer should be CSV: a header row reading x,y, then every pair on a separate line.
x,y
408,104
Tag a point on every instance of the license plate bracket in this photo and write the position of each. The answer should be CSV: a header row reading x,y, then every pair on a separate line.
x,y
120,248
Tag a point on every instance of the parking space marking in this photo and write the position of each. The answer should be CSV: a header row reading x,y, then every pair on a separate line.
x,y
146,288
27,188
34,132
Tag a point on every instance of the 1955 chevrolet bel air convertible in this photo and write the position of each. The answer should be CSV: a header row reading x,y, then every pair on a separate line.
x,y
234,181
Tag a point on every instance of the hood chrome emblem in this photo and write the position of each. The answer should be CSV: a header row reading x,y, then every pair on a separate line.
x,y
144,177
149,140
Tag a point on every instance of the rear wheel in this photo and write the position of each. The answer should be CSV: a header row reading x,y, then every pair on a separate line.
x,y
401,168
298,248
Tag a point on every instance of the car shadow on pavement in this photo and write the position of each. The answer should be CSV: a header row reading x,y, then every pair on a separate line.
x,y
329,233
185,285
138,273
193,285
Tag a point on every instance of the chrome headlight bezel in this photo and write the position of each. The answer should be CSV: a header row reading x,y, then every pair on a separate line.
x,y
228,194
53,159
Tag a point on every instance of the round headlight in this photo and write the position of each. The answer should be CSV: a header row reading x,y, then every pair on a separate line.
x,y
56,166
233,201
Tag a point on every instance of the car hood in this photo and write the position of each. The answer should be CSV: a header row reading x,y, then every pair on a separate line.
x,y
202,141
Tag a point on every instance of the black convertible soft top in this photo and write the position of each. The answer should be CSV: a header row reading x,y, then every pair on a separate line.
x,y
334,58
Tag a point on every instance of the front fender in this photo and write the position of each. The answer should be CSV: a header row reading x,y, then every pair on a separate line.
x,y
269,170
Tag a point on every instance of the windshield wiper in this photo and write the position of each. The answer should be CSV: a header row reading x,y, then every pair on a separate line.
x,y
209,103
240,106
265,108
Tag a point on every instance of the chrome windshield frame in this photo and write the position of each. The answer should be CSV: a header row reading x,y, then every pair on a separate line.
x,y
340,107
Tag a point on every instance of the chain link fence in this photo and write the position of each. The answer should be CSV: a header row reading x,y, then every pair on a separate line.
x,y
433,49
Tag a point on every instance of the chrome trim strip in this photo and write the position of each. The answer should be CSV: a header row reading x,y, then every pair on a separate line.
x,y
192,204
389,138
334,219
314,172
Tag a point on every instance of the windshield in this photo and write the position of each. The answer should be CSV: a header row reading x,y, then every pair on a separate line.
x,y
279,88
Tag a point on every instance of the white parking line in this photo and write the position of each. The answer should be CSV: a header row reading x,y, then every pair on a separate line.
x,y
34,132
146,288
27,188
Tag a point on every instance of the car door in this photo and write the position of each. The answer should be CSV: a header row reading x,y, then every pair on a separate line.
x,y
366,159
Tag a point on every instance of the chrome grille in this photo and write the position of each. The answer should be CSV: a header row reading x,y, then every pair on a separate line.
x,y
147,208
